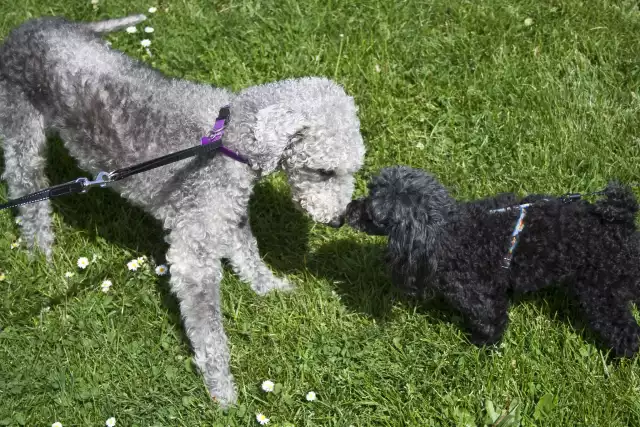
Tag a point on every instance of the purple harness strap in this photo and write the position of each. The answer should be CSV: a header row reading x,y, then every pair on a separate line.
x,y
216,134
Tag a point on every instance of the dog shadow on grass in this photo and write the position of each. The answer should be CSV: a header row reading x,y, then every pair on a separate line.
x,y
355,266
103,215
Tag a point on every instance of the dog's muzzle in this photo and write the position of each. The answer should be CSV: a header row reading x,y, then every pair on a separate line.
x,y
356,217
354,213
336,222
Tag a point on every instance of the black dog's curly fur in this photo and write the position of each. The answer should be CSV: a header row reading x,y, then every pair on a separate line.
x,y
438,246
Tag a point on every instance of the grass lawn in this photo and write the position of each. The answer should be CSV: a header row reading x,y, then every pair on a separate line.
x,y
464,89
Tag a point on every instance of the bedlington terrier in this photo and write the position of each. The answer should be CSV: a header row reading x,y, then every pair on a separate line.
x,y
112,111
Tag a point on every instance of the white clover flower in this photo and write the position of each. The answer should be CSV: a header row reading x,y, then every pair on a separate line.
x,y
268,386
111,422
528,22
133,265
145,43
161,270
377,68
106,284
262,419
68,275
311,396
153,9
46,309
56,424
420,146
132,29
83,262
148,29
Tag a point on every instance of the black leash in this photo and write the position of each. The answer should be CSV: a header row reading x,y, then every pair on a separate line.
x,y
211,142
565,198
571,197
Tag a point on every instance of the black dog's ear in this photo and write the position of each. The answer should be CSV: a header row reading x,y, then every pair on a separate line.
x,y
414,208
413,249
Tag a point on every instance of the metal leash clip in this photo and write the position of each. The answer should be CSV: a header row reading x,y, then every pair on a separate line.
x,y
102,179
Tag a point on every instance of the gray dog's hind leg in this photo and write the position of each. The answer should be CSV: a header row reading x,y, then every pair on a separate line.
x,y
23,132
246,262
195,279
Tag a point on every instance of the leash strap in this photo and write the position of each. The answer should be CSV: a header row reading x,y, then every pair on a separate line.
x,y
209,143
48,193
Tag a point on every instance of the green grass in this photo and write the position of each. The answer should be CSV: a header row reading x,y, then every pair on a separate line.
x,y
464,89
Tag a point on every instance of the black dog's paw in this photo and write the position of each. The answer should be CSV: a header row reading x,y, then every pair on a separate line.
x,y
483,341
627,344
489,336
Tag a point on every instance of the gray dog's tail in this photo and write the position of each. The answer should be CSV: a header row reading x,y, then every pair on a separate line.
x,y
116,24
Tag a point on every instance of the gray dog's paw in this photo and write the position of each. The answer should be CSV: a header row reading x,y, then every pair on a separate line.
x,y
224,396
267,284
39,247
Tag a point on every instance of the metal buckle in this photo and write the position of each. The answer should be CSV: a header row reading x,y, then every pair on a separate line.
x,y
102,179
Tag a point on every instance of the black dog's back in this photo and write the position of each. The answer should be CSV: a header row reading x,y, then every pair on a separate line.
x,y
564,240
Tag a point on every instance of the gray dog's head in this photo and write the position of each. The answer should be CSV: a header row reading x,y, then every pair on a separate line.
x,y
310,129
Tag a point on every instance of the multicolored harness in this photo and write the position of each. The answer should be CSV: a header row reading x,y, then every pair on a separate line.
x,y
515,235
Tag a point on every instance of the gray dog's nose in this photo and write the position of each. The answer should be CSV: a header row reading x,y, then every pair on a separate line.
x,y
337,222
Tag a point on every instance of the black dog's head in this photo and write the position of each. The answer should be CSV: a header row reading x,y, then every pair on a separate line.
x,y
410,207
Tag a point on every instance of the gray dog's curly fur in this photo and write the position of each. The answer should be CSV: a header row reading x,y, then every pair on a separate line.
x,y
112,111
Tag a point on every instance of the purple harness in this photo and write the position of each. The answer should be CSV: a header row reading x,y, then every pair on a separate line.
x,y
216,135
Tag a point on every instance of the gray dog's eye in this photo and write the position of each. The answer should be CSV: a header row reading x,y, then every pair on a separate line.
x,y
326,173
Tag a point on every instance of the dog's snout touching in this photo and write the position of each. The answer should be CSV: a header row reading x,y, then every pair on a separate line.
x,y
337,222
354,211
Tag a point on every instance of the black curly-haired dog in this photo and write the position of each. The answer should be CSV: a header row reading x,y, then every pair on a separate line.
x,y
475,254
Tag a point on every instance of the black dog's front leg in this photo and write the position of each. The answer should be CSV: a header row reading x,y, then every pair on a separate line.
x,y
484,308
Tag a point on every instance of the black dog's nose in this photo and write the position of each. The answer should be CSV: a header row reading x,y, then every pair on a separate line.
x,y
354,211
337,222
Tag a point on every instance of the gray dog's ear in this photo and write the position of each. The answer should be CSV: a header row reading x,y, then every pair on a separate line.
x,y
275,129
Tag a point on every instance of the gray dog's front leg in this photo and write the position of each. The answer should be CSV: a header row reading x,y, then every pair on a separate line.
x,y
195,278
247,264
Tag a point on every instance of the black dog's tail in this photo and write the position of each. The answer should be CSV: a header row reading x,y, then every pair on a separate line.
x,y
618,205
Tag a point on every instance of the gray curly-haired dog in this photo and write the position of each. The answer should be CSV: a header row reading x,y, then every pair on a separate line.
x,y
112,111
